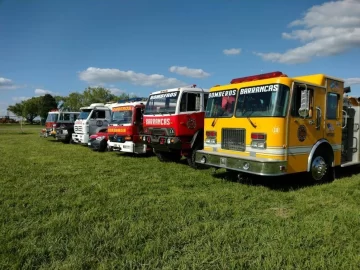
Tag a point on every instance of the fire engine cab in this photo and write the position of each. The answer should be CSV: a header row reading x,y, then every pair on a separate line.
x,y
126,125
271,124
174,122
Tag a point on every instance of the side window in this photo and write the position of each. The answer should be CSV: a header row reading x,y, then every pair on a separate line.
x,y
98,114
332,105
296,101
206,96
66,116
190,102
138,116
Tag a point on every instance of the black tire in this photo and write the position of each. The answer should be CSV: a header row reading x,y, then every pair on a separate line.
x,y
168,157
191,157
320,167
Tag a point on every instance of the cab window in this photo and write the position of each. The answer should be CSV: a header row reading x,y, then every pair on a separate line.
x,y
190,102
296,101
332,105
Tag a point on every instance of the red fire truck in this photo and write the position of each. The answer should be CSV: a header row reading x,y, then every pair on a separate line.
x,y
174,123
50,123
126,125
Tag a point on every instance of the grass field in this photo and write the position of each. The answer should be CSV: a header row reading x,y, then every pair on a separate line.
x,y
67,207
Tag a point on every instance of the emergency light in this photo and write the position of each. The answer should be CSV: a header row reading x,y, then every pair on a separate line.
x,y
259,77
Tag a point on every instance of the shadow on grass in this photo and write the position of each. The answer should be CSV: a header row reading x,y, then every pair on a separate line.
x,y
132,155
15,133
287,182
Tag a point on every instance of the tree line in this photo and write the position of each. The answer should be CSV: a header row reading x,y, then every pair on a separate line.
x,y
40,106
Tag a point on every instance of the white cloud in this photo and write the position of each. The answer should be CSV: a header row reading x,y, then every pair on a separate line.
x,y
116,91
352,81
232,51
189,72
41,92
328,29
7,84
108,75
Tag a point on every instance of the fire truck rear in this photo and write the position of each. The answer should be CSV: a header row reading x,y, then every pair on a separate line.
x,y
126,125
271,124
174,122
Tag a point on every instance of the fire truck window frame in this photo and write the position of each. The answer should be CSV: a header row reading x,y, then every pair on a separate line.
x,y
206,98
52,117
219,106
97,114
263,104
332,114
64,117
125,117
151,109
296,101
138,117
190,102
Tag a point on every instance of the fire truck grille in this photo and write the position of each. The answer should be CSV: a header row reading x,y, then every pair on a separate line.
x,y
233,139
158,131
78,129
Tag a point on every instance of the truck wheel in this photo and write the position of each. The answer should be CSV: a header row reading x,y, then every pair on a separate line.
x,y
168,157
320,168
191,157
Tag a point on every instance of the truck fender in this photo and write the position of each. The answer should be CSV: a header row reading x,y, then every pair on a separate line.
x,y
322,143
198,134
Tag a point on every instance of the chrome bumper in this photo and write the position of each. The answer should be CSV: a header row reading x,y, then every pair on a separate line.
x,y
258,166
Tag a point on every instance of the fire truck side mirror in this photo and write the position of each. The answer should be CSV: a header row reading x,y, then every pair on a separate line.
x,y
304,105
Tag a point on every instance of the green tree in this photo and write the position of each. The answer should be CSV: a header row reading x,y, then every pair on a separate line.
x,y
46,103
31,108
17,109
97,95
74,101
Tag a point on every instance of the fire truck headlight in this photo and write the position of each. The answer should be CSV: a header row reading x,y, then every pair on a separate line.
x,y
100,138
203,160
246,166
144,138
213,141
261,145
168,140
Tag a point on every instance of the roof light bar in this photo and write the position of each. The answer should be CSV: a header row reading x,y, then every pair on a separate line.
x,y
263,76
132,99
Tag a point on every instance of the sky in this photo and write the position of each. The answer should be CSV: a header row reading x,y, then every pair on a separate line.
x,y
141,46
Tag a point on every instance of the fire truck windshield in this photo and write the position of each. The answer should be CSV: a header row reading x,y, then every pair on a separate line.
x,y
263,101
121,117
162,103
52,117
221,103
84,114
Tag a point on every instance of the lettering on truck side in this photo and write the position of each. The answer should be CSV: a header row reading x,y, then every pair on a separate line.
x,y
172,94
116,129
259,89
227,93
157,121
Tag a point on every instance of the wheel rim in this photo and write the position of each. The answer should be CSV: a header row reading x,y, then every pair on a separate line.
x,y
318,168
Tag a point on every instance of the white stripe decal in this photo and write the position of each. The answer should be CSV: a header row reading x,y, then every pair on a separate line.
x,y
279,151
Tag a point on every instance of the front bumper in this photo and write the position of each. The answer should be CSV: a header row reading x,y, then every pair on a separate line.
x,y
97,145
80,138
258,166
128,147
61,136
163,143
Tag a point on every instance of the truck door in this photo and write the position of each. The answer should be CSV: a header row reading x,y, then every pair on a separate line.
x,y
138,120
305,125
333,121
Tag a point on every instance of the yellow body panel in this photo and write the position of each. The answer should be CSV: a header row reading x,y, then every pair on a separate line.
x,y
289,138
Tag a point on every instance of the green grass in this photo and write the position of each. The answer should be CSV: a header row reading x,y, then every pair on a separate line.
x,y
67,207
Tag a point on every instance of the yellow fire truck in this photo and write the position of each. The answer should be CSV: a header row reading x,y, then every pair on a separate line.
x,y
271,124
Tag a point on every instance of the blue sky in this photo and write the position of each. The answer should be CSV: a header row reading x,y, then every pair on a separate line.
x,y
140,46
